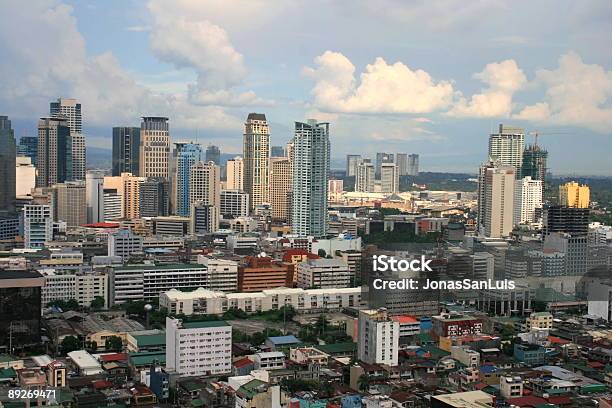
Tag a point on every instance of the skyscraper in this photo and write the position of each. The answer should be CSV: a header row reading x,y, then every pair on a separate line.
x,y
413,165
574,195
94,188
205,180
153,197
280,184
256,156
70,203
389,178
126,150
496,199
154,147
7,167
382,158
25,176
213,154
37,225
204,218
185,155
507,147
527,197
311,162
352,161
54,152
364,178
534,163
71,110
401,159
235,174
28,146
128,188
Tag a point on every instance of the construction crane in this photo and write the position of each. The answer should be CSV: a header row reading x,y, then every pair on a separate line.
x,y
537,133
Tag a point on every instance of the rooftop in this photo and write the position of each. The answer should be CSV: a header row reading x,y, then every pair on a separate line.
x,y
204,324
280,340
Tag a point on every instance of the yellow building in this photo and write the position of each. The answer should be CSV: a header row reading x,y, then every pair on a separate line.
x,y
572,194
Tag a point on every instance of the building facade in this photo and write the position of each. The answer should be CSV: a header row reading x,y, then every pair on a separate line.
x,y
185,155
154,154
126,150
54,152
256,156
71,110
280,185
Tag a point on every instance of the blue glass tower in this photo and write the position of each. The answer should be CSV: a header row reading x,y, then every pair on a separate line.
x,y
185,156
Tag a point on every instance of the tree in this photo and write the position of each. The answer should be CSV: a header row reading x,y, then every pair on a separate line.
x,y
69,343
91,346
363,382
321,252
97,303
113,343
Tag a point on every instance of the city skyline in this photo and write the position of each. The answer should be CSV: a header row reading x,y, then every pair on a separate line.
x,y
206,87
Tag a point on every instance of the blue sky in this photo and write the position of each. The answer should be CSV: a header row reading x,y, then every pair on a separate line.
x,y
424,77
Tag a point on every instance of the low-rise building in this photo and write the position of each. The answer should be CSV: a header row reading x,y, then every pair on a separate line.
x,y
324,273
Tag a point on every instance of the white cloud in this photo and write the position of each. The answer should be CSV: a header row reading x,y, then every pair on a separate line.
x,y
383,88
577,94
44,57
189,40
503,79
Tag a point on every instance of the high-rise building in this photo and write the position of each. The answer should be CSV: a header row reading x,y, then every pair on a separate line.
x,y
28,146
574,195
70,203
352,161
126,150
311,162
25,176
153,197
205,180
280,185
335,186
198,348
401,160
235,174
277,151
527,197
506,147
204,218
94,187
8,152
71,110
534,163
413,164
496,200
54,152
213,154
184,156
364,177
37,225
256,156
154,153
113,209
389,178
234,203
566,220
128,187
382,158
378,337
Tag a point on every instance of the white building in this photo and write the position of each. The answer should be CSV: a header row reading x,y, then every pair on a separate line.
x,y
507,146
343,242
234,203
235,174
113,205
378,338
496,200
37,225
222,274
335,186
82,287
272,360
466,356
527,197
203,301
86,363
198,348
205,184
311,163
145,282
324,273
256,158
510,387
154,152
389,178
123,243
94,191
364,177
25,176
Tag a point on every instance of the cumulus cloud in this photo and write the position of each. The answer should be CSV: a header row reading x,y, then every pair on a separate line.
x,y
189,40
577,94
44,56
503,79
382,88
